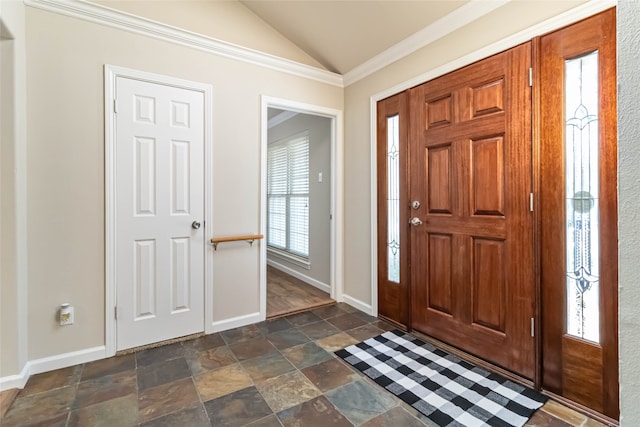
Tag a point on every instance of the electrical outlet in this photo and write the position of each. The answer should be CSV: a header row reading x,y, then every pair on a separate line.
x,y
66,315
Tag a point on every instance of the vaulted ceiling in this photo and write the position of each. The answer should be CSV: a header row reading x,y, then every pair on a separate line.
x,y
346,33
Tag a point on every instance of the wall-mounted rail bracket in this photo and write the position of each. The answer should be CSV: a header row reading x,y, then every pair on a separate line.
x,y
249,238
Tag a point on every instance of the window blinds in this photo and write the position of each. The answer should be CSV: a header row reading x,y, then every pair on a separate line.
x,y
288,195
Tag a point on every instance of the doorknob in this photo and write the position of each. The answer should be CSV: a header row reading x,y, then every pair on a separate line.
x,y
195,225
415,221
415,204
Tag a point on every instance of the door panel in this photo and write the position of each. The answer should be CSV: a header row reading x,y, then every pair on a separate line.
x,y
159,187
578,197
393,210
470,160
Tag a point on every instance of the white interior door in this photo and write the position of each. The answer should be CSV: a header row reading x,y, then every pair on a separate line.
x,y
159,206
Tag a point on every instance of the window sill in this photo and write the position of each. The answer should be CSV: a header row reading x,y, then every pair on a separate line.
x,y
286,256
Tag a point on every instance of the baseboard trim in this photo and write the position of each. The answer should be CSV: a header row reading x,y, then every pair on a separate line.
x,y
310,280
15,381
356,303
51,363
236,322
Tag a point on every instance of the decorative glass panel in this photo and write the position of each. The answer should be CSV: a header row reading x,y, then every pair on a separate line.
x,y
393,199
582,196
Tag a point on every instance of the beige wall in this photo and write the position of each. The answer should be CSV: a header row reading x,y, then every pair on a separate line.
x,y
66,164
319,192
498,25
629,206
13,332
224,20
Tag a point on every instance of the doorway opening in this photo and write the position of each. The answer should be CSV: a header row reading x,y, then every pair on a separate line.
x,y
485,267
299,205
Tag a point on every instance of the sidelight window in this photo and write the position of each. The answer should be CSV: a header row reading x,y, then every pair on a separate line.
x,y
582,196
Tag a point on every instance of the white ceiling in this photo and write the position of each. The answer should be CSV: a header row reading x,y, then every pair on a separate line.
x,y
342,34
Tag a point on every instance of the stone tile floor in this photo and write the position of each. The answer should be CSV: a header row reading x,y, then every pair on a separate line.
x,y
281,372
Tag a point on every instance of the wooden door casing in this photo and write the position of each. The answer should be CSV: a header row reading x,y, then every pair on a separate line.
x,y
472,258
584,372
393,298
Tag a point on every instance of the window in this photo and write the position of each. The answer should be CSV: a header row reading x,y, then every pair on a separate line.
x,y
288,196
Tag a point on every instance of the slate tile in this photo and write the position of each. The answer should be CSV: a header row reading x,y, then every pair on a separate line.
x,y
192,417
167,398
330,374
251,348
360,401
306,355
318,412
207,360
105,388
155,355
223,381
162,373
237,409
121,412
268,366
287,390
52,380
288,338
109,366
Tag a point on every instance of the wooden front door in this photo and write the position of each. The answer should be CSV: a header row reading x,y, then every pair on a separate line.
x,y
578,193
472,239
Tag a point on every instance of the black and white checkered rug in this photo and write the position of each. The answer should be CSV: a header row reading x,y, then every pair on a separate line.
x,y
448,390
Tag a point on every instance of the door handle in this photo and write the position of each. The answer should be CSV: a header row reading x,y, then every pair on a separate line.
x,y
415,221
195,225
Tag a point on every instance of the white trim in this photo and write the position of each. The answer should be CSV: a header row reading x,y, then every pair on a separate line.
x,y
310,280
112,72
449,23
337,188
374,205
124,21
15,381
64,360
289,257
236,322
356,303
51,363
576,14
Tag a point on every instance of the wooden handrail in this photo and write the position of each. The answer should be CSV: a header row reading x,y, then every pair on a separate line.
x,y
249,238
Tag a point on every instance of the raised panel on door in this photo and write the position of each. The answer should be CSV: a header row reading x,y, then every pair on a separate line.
x,y
470,146
488,279
440,183
440,266
487,176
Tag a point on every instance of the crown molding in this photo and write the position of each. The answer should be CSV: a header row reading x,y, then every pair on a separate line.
x,y
446,25
569,17
112,18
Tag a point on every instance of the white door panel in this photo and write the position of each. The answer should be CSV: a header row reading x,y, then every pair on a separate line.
x,y
159,187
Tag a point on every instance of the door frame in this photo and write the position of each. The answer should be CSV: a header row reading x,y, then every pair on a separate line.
x,y
111,73
571,16
337,186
